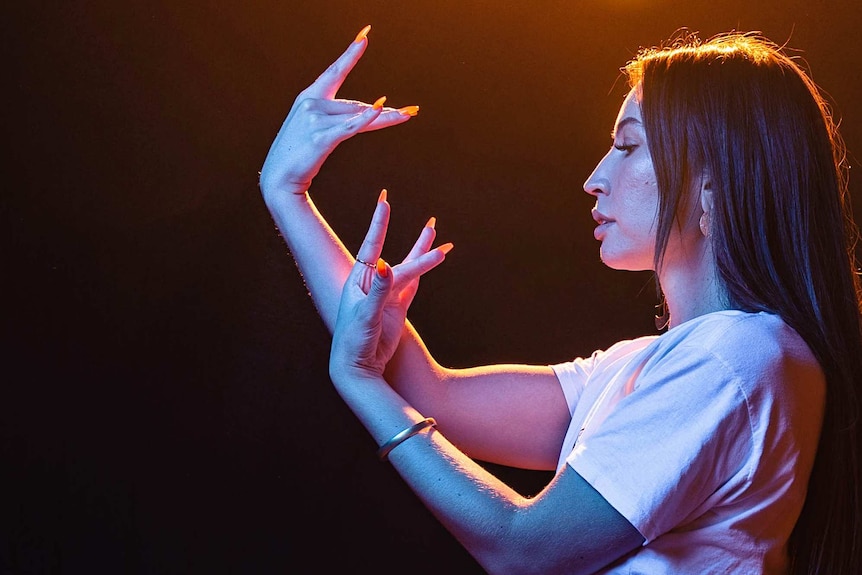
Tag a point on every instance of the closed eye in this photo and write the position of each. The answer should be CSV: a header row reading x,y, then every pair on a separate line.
x,y
627,149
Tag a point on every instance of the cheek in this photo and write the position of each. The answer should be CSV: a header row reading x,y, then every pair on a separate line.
x,y
643,175
641,201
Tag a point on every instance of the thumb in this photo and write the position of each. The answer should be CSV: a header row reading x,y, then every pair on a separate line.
x,y
381,287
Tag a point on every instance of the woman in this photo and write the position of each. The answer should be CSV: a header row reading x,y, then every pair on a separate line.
x,y
689,452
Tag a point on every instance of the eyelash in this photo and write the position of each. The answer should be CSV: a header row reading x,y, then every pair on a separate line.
x,y
627,149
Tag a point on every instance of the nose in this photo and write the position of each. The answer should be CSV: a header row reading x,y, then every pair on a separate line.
x,y
598,182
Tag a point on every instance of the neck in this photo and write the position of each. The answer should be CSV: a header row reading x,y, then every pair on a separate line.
x,y
691,288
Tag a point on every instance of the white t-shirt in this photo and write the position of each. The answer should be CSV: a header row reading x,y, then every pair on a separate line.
x,y
703,438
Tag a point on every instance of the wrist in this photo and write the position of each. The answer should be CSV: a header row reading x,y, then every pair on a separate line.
x,y
403,435
273,189
353,375
284,197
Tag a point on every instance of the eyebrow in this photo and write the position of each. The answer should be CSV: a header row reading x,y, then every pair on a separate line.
x,y
623,123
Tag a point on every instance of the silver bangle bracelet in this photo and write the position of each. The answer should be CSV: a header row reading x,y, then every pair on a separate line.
x,y
403,435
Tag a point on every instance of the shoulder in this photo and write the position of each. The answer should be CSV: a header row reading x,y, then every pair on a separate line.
x,y
754,349
733,364
748,367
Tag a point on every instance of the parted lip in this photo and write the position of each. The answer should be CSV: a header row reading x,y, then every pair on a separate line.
x,y
599,217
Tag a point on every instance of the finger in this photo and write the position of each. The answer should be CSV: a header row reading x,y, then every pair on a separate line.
x,y
328,83
328,113
381,287
341,131
372,245
409,271
424,241
335,107
345,106
389,117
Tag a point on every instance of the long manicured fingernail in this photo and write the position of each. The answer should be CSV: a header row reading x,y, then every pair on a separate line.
x,y
363,33
382,196
446,248
379,103
409,110
381,268
432,221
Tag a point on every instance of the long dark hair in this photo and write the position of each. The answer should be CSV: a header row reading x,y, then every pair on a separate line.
x,y
739,109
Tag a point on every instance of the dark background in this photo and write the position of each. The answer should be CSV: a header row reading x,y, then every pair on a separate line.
x,y
165,400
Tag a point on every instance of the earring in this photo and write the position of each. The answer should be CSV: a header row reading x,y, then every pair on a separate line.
x,y
662,317
704,224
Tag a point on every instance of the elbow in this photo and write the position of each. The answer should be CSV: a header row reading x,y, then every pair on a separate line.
x,y
524,548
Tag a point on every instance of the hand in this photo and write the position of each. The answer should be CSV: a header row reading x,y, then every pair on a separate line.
x,y
374,301
317,123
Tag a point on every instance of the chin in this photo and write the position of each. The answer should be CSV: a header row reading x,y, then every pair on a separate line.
x,y
624,262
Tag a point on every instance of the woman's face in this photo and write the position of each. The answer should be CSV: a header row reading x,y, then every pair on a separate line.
x,y
626,192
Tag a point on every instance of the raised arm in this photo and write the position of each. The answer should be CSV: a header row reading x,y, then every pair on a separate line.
x,y
315,125
525,401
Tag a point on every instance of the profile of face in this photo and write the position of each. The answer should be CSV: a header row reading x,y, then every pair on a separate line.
x,y
627,200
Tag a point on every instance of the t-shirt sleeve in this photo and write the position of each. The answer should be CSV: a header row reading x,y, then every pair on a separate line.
x,y
574,375
667,447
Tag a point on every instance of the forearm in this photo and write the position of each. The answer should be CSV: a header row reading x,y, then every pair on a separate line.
x,y
322,259
566,528
477,508
474,505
